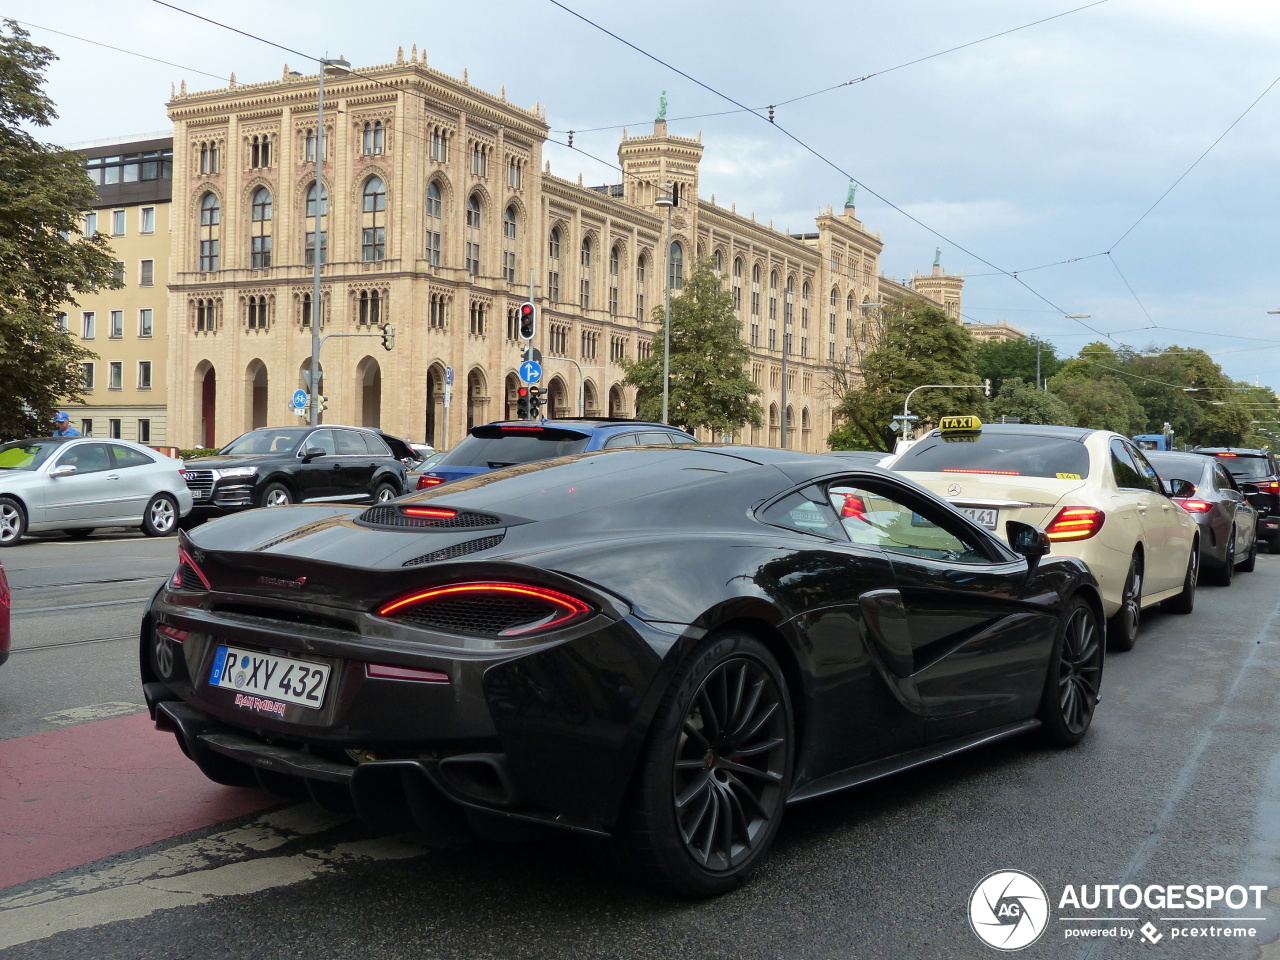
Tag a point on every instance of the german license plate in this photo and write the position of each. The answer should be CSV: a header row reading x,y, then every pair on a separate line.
x,y
197,494
300,682
987,516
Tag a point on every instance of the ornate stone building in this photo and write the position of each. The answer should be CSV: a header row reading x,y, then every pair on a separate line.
x,y
436,213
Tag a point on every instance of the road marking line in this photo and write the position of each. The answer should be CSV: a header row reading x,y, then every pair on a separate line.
x,y
97,711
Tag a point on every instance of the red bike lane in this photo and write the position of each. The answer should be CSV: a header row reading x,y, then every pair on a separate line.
x,y
75,795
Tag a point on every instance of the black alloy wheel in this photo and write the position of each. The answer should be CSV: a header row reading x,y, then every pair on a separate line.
x,y
276,495
1223,575
713,781
384,492
1122,629
1185,602
1075,675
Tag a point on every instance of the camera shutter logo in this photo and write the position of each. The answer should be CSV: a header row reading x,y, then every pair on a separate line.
x,y
1008,910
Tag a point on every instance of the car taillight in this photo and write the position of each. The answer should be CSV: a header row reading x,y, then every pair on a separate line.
x,y
182,472
173,633
493,609
1270,486
1075,523
435,513
425,481
1195,506
189,576
385,671
853,507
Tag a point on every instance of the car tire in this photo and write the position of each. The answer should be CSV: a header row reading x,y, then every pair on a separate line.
x,y
1223,575
80,533
1185,602
384,492
1248,563
13,521
1075,675
1122,629
276,495
673,845
161,516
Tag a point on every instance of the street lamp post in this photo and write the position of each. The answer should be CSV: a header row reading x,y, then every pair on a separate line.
x,y
314,386
786,349
667,201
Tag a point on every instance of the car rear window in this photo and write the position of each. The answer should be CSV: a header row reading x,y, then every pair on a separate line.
x,y
1244,467
1178,469
1001,454
495,447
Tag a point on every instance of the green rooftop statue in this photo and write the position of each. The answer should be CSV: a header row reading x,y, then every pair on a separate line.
x,y
662,106
937,256
853,192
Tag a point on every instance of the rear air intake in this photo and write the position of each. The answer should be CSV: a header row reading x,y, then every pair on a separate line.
x,y
491,609
435,517
457,550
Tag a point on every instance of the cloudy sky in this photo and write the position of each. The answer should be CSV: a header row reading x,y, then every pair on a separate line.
x,y
1044,145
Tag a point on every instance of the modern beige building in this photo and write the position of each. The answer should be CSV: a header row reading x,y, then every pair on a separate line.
x,y
126,394
436,212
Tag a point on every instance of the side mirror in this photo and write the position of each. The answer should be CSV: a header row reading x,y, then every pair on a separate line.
x,y
66,471
312,452
1027,540
1179,489
1249,489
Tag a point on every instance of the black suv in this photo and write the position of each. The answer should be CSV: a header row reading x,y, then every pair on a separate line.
x,y
273,466
1258,467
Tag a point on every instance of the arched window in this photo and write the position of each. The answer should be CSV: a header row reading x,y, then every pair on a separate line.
x,y
509,243
553,265
615,268
435,224
260,229
373,138
317,208
755,292
848,317
309,148
373,228
260,152
585,289
256,317
675,269
804,306
736,285
773,294
719,262
474,214
370,308
642,273
210,231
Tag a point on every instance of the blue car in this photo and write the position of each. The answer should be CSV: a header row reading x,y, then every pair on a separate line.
x,y
510,442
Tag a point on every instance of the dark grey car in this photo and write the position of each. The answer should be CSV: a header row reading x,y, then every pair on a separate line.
x,y
1228,522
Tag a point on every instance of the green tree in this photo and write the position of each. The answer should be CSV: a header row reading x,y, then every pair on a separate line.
x,y
1228,425
998,360
44,259
921,345
709,386
1103,404
1017,398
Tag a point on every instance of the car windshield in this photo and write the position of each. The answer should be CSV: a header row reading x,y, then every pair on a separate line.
x,y
1245,468
1002,454
258,442
25,454
495,447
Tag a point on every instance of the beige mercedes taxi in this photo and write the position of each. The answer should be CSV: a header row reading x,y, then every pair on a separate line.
x,y
1093,493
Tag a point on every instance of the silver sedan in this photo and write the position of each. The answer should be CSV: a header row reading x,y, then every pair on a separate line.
x,y
78,484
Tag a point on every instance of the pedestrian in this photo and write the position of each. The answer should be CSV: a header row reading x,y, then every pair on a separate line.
x,y
62,426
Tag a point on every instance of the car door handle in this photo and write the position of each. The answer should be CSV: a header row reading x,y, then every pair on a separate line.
x,y
337,466
1142,508
113,476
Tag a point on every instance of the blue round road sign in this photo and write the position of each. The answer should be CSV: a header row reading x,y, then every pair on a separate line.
x,y
530,372
299,398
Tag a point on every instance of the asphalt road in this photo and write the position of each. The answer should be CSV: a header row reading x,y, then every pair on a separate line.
x,y
1178,783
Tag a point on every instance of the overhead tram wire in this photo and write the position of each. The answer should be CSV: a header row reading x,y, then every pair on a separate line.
x,y
1043,266
812,150
132,53
862,79
1131,290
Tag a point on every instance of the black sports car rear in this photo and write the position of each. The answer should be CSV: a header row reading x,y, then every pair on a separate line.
x,y
660,646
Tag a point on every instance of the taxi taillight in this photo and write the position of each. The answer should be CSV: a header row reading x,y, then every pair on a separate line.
x,y
1075,523
1194,506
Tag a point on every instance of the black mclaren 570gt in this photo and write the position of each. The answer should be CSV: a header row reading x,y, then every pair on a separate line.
x,y
659,647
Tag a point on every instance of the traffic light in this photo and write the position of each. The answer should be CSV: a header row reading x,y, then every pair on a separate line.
x,y
535,401
522,403
388,336
528,320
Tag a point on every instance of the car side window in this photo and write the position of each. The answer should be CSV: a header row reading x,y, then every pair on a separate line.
x,y
1126,471
875,518
621,440
1223,480
374,445
350,443
655,439
128,457
1146,472
322,439
799,512
87,458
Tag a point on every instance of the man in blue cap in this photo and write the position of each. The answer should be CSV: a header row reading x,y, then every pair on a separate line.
x,y
63,427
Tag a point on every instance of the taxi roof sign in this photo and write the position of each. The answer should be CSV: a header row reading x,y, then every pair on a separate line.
x,y
965,424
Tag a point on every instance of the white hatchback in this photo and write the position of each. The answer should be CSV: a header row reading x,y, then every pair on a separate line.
x,y
1093,493
78,484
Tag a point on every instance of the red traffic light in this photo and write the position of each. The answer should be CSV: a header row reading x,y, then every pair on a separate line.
x,y
526,309
528,320
522,392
